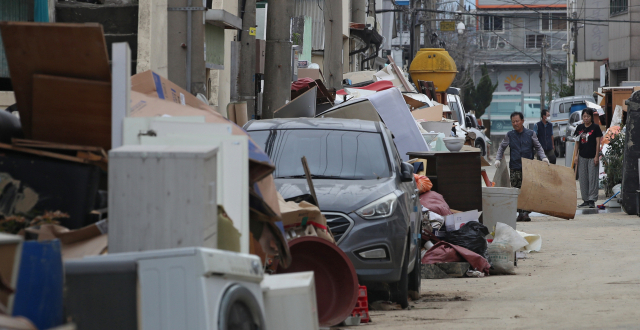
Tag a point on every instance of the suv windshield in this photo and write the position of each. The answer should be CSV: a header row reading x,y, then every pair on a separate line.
x,y
331,154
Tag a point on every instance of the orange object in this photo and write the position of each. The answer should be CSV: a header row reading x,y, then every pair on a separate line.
x,y
423,183
611,133
487,182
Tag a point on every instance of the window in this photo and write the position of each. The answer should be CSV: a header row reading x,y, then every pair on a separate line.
x,y
618,6
332,154
492,23
552,22
536,40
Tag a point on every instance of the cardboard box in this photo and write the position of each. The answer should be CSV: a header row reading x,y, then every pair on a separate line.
x,y
294,214
457,220
429,114
152,84
309,73
87,241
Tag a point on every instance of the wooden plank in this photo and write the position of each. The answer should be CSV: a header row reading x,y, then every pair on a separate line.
x,y
548,189
72,111
404,82
43,153
69,50
51,145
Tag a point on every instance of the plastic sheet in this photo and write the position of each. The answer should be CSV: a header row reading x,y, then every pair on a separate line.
x,y
470,236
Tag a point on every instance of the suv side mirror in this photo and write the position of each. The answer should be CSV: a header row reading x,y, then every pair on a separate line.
x,y
406,171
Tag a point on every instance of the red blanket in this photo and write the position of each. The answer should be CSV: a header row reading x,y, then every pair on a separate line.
x,y
435,202
446,252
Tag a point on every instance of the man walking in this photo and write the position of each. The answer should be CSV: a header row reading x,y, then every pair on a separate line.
x,y
521,142
544,131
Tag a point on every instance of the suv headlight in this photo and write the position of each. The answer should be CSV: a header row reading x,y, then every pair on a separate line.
x,y
381,208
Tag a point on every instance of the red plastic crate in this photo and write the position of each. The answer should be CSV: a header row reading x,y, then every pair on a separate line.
x,y
363,313
362,305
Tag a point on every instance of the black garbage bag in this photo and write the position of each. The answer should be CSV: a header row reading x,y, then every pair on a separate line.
x,y
470,236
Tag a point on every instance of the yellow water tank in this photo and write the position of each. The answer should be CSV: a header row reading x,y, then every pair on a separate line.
x,y
433,64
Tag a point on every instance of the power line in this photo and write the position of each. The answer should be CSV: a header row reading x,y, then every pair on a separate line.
x,y
503,16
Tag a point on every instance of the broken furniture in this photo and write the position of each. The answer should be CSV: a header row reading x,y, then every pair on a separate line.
x,y
54,182
10,254
162,197
456,176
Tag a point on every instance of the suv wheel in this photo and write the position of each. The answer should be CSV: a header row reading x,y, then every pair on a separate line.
x,y
400,289
415,277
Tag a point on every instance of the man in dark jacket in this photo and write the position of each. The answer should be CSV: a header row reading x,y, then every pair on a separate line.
x,y
544,131
521,142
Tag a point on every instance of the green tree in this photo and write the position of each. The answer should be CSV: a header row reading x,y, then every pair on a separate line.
x,y
479,97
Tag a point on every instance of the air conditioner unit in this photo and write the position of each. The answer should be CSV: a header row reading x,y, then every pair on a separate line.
x,y
565,47
187,288
502,44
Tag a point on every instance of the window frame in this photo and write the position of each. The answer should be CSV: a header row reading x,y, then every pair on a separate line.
x,y
618,7
492,24
537,44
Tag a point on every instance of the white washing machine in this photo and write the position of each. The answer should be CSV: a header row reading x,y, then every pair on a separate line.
x,y
187,288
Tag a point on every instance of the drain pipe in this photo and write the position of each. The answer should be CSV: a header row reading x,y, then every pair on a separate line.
x,y
189,28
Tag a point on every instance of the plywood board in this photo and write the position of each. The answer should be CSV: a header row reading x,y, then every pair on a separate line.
x,y
71,111
429,114
619,96
68,50
548,189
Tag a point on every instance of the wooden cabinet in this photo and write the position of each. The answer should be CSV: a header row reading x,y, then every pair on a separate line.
x,y
456,176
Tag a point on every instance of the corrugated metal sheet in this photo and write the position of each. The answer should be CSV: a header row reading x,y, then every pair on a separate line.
x,y
12,10
314,10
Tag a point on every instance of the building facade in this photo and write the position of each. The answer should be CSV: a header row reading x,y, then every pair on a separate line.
x,y
517,40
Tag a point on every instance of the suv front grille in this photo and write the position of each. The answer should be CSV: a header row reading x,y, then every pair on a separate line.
x,y
340,225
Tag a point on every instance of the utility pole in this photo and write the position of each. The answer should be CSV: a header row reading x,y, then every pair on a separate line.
x,y
412,30
543,71
333,43
277,63
247,72
428,24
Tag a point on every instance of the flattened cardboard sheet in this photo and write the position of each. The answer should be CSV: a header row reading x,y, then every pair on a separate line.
x,y
548,189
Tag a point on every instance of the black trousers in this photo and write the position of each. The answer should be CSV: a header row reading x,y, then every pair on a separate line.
x,y
551,155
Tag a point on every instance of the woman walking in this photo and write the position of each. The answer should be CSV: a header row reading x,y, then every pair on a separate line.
x,y
588,157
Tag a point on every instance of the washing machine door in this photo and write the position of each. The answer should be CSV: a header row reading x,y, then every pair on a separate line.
x,y
239,310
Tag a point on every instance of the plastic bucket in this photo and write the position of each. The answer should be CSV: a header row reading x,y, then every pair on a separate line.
x,y
499,205
335,278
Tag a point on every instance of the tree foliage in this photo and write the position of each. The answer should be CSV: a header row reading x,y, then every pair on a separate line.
x,y
479,97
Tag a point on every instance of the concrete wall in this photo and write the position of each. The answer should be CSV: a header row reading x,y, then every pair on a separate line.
x,y
514,78
587,87
624,42
152,37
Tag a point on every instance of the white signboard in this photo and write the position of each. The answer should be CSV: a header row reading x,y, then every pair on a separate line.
x,y
596,35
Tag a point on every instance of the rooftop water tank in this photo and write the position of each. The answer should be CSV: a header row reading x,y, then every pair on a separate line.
x,y
433,64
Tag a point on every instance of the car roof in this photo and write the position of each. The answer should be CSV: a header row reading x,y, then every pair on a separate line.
x,y
314,123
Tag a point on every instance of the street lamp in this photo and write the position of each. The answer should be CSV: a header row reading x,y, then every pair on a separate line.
x,y
460,27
